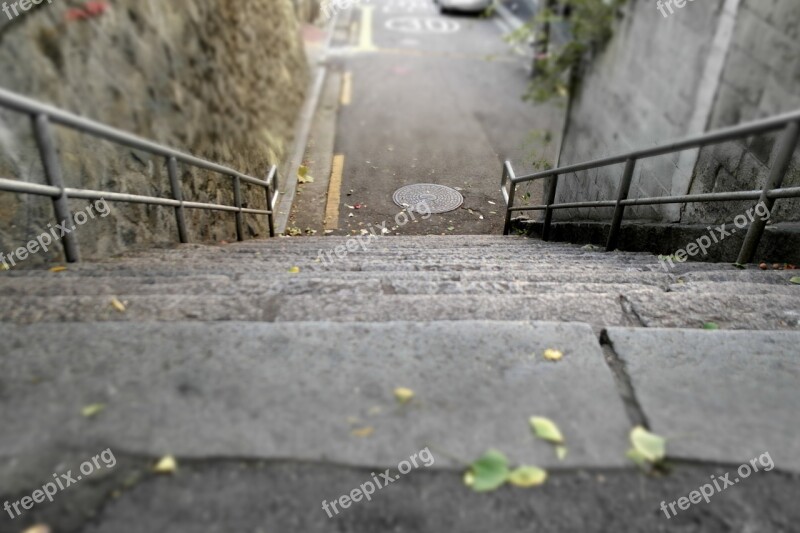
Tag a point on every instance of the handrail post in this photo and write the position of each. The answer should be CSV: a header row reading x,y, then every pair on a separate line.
x,y
548,213
619,209
53,175
177,194
508,175
272,180
237,199
780,164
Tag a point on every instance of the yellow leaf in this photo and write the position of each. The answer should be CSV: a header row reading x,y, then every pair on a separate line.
x,y
469,478
553,355
546,429
40,528
57,269
92,410
119,306
403,394
294,270
4,266
561,452
363,432
167,465
648,445
527,476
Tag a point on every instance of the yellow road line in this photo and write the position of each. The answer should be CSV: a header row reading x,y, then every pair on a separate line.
x,y
334,193
347,88
365,39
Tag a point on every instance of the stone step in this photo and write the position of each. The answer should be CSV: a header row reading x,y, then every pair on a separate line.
x,y
648,308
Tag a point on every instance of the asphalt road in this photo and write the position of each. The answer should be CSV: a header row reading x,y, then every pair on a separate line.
x,y
428,98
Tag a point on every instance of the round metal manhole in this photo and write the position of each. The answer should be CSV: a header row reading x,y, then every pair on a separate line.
x,y
439,199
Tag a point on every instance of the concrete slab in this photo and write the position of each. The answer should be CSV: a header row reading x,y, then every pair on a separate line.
x,y
272,391
721,396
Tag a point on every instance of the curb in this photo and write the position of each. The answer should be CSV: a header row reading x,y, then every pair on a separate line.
x,y
302,132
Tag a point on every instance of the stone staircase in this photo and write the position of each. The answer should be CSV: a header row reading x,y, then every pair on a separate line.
x,y
270,376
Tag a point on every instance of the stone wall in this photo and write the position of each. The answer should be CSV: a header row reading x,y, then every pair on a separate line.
x,y
223,79
761,79
710,64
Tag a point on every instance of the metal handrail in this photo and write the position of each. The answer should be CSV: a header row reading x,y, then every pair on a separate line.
x,y
772,191
44,116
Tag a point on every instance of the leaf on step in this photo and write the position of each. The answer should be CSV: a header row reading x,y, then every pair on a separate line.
x,y
553,355
740,266
487,473
294,232
561,452
119,306
527,476
546,429
795,280
648,445
711,326
363,432
39,528
57,269
294,270
638,458
403,395
166,465
93,410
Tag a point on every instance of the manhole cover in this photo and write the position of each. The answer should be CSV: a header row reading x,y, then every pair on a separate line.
x,y
439,199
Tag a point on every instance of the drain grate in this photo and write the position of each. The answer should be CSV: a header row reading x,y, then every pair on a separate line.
x,y
439,199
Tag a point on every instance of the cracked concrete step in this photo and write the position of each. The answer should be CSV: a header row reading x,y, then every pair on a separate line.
x,y
737,396
246,390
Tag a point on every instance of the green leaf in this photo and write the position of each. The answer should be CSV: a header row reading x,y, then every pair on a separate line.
x,y
93,410
561,452
740,266
795,280
527,476
488,473
546,429
649,445
711,326
638,458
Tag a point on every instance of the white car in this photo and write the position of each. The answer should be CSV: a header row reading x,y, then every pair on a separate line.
x,y
464,6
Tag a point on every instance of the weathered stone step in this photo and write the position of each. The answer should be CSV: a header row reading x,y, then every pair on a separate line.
x,y
650,308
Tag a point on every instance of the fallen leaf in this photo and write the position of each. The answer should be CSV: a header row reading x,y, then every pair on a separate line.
x,y
302,175
649,445
167,465
119,306
795,280
40,528
561,452
363,432
638,458
527,476
403,394
739,266
57,269
546,429
294,270
92,410
553,355
711,326
489,472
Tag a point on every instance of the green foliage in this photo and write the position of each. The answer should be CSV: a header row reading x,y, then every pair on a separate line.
x,y
590,27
